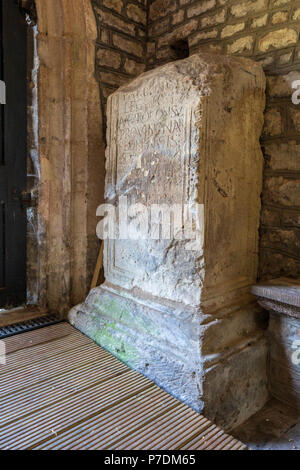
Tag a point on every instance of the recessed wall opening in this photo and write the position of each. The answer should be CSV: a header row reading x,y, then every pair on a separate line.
x,y
181,49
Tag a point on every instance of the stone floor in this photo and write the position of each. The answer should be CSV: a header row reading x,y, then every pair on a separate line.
x,y
275,427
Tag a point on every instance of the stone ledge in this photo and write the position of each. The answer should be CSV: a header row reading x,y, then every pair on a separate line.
x,y
280,295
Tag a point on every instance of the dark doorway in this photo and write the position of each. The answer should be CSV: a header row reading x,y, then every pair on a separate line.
x,y
13,150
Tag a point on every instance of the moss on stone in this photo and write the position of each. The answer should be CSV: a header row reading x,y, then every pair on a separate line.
x,y
107,337
112,309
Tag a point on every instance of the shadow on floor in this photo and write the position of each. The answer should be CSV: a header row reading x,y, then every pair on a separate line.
x,y
274,427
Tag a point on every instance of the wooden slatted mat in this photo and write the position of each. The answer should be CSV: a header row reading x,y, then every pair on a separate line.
x,y
59,390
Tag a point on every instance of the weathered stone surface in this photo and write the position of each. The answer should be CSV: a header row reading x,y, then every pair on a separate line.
x,y
285,58
200,8
196,38
208,48
178,33
116,5
248,6
114,21
295,118
178,17
286,239
279,3
232,29
133,67
136,13
260,21
159,28
280,17
108,58
283,155
212,20
212,33
266,61
132,47
183,315
151,48
160,8
270,217
234,385
68,127
291,219
282,85
242,45
278,263
296,14
286,291
282,191
267,31
104,35
114,79
278,39
273,122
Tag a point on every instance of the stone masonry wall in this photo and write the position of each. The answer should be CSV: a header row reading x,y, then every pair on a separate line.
x,y
137,34
280,221
268,32
121,43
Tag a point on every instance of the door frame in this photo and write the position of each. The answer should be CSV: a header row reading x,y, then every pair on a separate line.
x,y
70,154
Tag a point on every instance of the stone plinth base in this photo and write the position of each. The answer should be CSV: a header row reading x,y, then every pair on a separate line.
x,y
169,344
281,297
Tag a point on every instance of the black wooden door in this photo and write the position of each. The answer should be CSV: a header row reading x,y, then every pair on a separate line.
x,y
13,150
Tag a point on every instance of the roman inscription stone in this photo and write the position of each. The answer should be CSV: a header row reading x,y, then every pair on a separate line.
x,y
184,164
153,152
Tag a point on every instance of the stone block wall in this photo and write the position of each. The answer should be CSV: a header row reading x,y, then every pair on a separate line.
x,y
280,220
121,43
268,32
137,34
